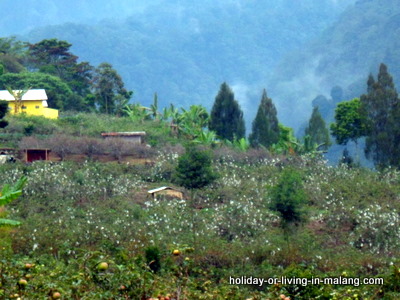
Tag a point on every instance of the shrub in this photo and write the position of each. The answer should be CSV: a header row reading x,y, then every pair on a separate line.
x,y
91,146
194,169
118,148
288,197
153,258
62,145
31,142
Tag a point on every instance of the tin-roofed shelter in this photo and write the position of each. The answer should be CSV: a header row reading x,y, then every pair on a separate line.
x,y
134,137
166,190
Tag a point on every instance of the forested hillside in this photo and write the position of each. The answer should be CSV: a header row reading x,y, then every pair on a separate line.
x,y
365,35
184,51
37,13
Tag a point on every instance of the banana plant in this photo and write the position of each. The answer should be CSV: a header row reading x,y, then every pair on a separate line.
x,y
309,147
241,144
154,108
137,112
8,194
193,120
207,138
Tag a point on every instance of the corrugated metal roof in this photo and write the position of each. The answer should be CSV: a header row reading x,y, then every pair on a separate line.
x,y
163,188
132,133
39,94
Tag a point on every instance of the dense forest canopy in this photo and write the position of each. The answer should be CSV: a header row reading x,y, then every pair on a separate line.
x,y
183,51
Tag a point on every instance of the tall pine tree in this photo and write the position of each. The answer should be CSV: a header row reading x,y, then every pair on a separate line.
x,y
380,106
317,131
226,117
265,127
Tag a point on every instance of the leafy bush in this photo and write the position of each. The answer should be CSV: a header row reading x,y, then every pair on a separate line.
x,y
289,198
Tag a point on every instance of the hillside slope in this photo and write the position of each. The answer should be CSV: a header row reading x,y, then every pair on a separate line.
x,y
365,35
185,51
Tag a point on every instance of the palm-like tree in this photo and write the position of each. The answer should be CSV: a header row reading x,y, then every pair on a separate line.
x,y
137,112
154,108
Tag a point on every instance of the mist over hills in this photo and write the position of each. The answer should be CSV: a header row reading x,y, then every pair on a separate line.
x,y
364,36
184,50
24,15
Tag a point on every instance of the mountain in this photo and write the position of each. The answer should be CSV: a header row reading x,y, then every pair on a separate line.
x,y
184,50
24,15
364,36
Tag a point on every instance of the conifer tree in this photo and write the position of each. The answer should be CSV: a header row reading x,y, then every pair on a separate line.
x,y
380,107
265,127
226,117
317,131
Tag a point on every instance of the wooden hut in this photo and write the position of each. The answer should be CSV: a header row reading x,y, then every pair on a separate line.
x,y
31,155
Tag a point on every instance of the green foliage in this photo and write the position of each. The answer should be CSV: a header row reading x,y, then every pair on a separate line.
x,y
350,124
58,93
288,198
12,55
153,258
226,117
304,290
78,215
241,144
381,108
192,122
180,52
109,89
317,130
52,56
194,169
154,108
3,111
346,158
265,127
136,112
287,141
9,194
208,138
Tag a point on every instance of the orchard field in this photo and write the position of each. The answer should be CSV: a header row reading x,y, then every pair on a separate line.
x,y
77,216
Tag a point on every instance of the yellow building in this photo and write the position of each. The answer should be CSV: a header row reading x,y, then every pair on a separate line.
x,y
33,102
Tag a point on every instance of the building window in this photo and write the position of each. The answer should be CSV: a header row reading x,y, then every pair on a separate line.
x,y
37,106
23,107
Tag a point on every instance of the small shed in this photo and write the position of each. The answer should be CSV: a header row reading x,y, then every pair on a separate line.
x,y
31,155
166,190
134,137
